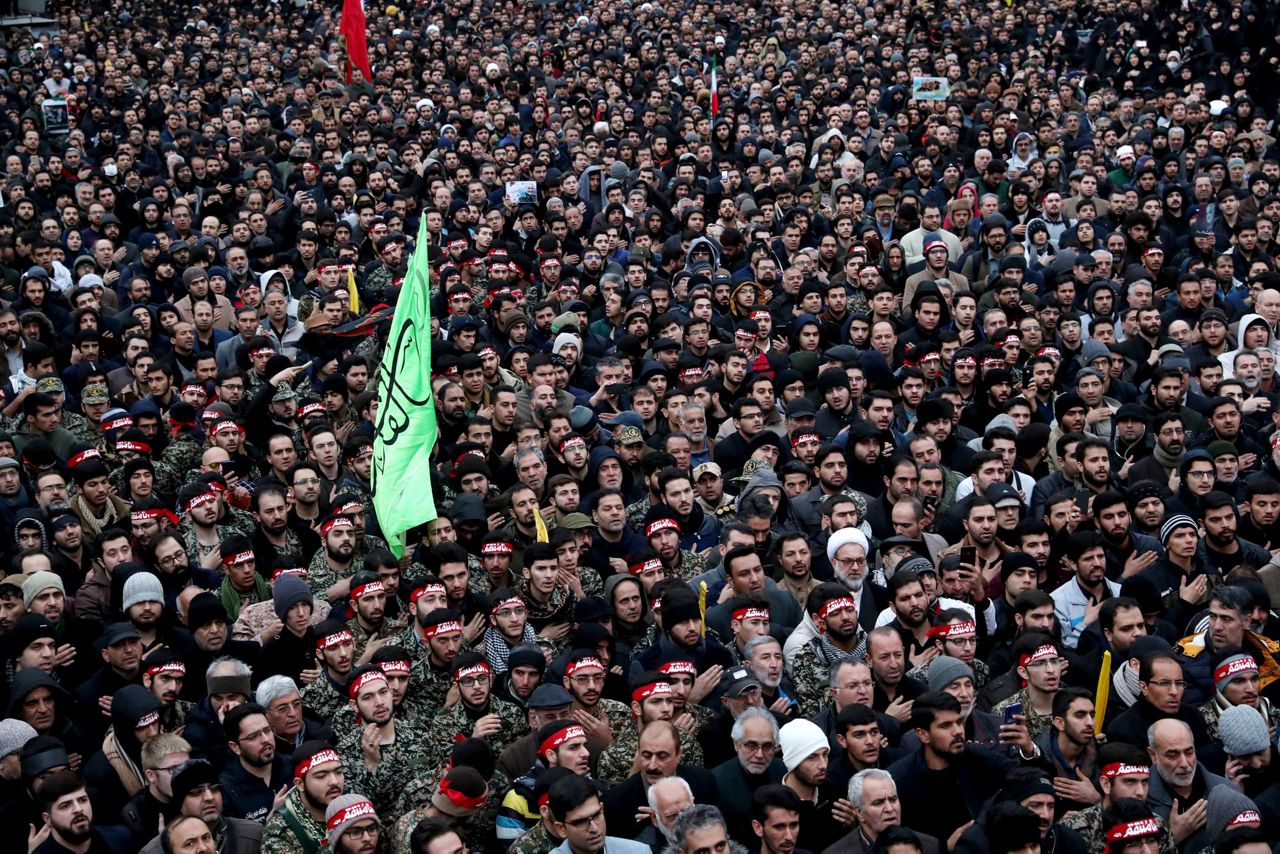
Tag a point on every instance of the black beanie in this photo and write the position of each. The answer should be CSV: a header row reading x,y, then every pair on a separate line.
x,y
679,606
204,609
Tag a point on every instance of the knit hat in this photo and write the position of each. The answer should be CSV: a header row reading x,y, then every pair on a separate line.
x,y
1065,402
188,775
203,609
38,583
679,606
1174,523
344,811
142,587
1243,731
40,754
527,655
842,538
461,793
288,591
944,670
800,740
14,735
567,338
1227,809
1233,667
915,565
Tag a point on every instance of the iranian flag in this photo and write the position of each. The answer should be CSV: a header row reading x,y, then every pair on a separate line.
x,y
715,89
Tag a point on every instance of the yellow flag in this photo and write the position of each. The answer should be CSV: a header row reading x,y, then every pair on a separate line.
x,y
352,293
1102,694
540,526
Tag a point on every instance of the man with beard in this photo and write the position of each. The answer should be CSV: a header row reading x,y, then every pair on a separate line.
x,y
1040,667
1077,600
326,695
330,570
381,750
699,529
600,718
560,744
122,656
478,714
805,753
1262,510
439,636
274,536
1236,683
682,633
652,699
162,674
662,528
763,657
199,803
508,628
114,774
954,633
298,825
1124,771
831,468
909,604
994,387
1229,628
980,527
1138,348
369,627
257,772
1127,551
68,820
1072,748
835,615
1224,549
930,779
1165,394
746,576
1179,790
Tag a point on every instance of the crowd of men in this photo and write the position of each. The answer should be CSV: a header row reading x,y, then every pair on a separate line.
x,y
857,429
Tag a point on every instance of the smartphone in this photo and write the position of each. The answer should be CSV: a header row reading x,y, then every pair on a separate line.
x,y
616,388
969,555
1011,712
931,501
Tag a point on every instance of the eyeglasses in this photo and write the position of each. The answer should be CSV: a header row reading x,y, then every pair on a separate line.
x,y
759,746
1166,684
1200,475
1048,662
168,769
473,681
172,560
361,831
855,563
307,481
596,817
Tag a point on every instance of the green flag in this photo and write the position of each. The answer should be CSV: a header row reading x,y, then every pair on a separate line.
x,y
406,428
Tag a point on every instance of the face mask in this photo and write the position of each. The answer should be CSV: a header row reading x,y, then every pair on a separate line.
x,y
109,170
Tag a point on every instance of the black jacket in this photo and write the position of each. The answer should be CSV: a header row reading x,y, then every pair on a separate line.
x,y
928,798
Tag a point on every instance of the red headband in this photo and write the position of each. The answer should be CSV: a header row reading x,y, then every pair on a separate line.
x,y
118,423
838,604
806,437
358,810
351,508
336,522
313,408
440,629
1235,667
1049,351
424,590
334,639
130,445
572,442
653,689
478,669
397,666
664,524
1247,818
202,498
966,360
153,513
750,614
497,548
461,801
653,564
364,679
560,737
510,600
583,663
175,667
678,668
1134,830
1123,769
367,590
300,571
308,765
952,630
87,454
262,351
238,558
227,424
1047,650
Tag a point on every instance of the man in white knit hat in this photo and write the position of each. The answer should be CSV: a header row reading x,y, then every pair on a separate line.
x,y
805,752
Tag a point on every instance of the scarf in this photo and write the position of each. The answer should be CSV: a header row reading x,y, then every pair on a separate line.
x,y
232,599
1125,682
830,653
496,649
1166,460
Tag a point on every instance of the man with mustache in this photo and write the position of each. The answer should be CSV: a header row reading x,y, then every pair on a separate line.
x,y
162,674
1179,779
805,753
1040,666
298,824
68,820
943,785
380,749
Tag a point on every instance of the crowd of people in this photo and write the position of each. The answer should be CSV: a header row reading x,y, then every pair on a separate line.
x,y
857,429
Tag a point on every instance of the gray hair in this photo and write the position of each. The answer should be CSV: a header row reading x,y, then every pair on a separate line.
x,y
238,667
1151,730
680,783
833,675
695,818
751,713
749,651
273,688
857,781
537,452
1230,596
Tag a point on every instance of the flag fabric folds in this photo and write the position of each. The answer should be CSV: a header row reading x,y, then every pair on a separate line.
x,y
354,29
715,90
406,424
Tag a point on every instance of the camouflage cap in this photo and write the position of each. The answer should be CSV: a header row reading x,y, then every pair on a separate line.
x,y
284,392
630,436
95,393
50,385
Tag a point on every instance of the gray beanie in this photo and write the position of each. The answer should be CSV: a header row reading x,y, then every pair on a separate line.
x,y
287,591
944,670
142,587
1225,806
1243,731
14,735
40,582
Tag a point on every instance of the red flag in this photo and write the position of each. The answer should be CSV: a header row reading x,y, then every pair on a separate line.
x,y
354,29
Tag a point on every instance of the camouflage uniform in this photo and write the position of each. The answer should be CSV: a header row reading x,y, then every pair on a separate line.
x,y
326,700
536,840
396,770
180,457
1036,722
981,672
690,567
77,425
455,723
427,688
636,512
389,629
367,543
240,522
1088,823
255,618
188,533
614,762
279,836
321,576
811,676
590,580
